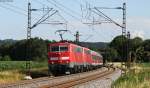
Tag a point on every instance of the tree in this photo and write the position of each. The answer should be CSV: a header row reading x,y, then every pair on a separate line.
x,y
146,56
18,51
135,43
112,54
38,48
146,45
119,43
6,58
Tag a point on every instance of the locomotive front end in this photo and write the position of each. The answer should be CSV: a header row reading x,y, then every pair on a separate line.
x,y
58,57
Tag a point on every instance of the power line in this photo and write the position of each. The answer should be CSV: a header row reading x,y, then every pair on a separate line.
x,y
15,11
13,6
16,7
98,33
54,4
39,2
90,36
62,17
65,7
108,18
58,13
67,13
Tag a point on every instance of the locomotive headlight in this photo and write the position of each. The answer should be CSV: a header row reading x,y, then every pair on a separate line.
x,y
54,58
52,62
64,58
67,62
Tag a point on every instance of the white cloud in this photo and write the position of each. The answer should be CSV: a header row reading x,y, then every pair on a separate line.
x,y
138,33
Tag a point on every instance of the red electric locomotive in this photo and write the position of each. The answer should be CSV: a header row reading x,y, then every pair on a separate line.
x,y
65,57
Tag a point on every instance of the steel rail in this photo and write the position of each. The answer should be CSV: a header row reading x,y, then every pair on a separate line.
x,y
39,82
79,80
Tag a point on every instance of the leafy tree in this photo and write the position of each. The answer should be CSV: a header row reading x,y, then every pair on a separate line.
x,y
112,54
119,43
38,49
18,51
5,49
146,45
135,43
136,50
146,56
0,57
6,58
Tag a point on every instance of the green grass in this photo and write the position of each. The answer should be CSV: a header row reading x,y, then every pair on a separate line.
x,y
135,78
12,71
145,65
20,65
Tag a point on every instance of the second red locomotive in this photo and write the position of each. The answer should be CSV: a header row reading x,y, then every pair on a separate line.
x,y
66,57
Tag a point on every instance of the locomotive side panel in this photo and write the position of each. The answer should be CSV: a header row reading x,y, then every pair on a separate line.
x,y
87,56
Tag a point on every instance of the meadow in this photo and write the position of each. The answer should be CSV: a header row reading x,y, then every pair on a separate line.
x,y
12,71
20,65
137,77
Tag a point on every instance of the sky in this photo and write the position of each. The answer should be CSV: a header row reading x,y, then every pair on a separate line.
x,y
75,13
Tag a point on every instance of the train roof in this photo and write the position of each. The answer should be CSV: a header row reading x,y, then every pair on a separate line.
x,y
62,42
67,42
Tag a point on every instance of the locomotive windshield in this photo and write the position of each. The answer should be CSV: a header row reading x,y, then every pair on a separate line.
x,y
55,48
59,48
63,48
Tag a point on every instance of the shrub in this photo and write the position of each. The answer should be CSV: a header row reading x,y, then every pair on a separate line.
x,y
6,58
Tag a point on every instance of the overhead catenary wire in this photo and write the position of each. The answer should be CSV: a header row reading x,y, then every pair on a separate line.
x,y
90,36
21,10
66,7
12,10
42,3
15,7
99,34
88,5
59,4
99,14
67,13
109,19
62,17
58,13
39,2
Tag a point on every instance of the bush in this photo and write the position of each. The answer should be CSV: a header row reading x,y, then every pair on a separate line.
x,y
6,58
0,58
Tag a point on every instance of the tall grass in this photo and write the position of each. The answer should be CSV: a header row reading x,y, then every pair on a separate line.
x,y
12,71
144,65
135,78
10,76
19,65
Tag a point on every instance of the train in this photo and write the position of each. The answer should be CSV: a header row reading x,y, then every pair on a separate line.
x,y
67,58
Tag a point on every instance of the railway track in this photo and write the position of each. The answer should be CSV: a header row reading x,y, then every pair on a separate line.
x,y
79,80
61,81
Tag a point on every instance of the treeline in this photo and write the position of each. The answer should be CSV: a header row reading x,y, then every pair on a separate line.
x,y
17,50
138,49
133,50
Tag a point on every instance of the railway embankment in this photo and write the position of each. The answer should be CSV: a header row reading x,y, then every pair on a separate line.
x,y
102,82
